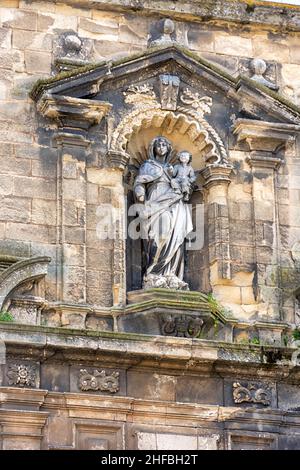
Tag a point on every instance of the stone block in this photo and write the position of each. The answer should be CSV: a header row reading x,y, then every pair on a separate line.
x,y
15,209
50,22
74,235
15,248
241,232
228,294
30,40
102,296
176,441
12,60
288,396
74,320
245,253
30,187
37,62
99,323
46,167
28,232
5,38
43,212
151,385
146,440
101,260
198,39
105,29
18,19
6,185
93,278
74,255
68,10
92,193
233,45
75,291
204,390
14,166
74,190
263,47
133,30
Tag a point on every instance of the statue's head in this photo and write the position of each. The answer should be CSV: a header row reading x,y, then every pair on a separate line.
x,y
184,157
160,148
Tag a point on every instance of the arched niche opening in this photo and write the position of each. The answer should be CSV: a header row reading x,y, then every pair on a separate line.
x,y
184,134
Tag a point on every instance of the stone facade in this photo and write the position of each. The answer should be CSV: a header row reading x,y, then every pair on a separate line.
x,y
90,360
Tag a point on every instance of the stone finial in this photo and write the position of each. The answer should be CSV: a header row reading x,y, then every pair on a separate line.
x,y
259,67
72,44
165,38
71,51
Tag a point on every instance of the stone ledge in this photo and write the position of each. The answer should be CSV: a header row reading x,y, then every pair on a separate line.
x,y
137,345
245,11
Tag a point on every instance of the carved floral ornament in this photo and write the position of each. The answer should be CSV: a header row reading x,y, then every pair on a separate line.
x,y
251,393
99,381
21,375
187,118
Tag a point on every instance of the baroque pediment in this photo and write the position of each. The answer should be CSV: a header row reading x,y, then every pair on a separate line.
x,y
107,81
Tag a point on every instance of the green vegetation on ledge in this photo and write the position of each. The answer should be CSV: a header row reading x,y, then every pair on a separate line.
x,y
6,316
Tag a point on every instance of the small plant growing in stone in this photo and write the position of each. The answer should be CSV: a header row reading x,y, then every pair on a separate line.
x,y
213,303
296,335
254,340
6,316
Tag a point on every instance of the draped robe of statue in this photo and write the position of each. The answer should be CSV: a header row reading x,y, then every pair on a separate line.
x,y
165,223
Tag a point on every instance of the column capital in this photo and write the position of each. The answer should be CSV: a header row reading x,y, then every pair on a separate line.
x,y
264,160
216,175
117,160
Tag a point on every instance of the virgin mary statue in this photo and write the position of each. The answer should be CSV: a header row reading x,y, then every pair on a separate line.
x,y
165,219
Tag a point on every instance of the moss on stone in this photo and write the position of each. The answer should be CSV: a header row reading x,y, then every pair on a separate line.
x,y
41,84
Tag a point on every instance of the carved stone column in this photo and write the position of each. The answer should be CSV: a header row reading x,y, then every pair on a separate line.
x,y
264,141
74,117
217,179
117,162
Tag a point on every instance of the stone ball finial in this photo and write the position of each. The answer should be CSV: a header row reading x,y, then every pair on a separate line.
x,y
168,26
73,43
258,66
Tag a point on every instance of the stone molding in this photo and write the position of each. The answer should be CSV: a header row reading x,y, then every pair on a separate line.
x,y
21,271
261,13
72,112
216,174
264,136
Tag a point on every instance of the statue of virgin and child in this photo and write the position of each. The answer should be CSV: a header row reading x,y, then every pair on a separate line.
x,y
163,191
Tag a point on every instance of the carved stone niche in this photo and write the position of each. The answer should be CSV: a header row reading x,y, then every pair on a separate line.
x,y
165,91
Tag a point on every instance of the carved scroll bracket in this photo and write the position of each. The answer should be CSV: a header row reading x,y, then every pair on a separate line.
x,y
73,113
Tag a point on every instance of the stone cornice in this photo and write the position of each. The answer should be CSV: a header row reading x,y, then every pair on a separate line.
x,y
256,12
66,109
264,139
132,345
252,97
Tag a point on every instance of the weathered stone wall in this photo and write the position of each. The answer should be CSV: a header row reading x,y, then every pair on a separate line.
x,y
51,185
30,211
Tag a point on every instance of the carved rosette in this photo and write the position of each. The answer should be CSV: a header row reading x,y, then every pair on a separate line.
x,y
99,381
251,393
22,375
